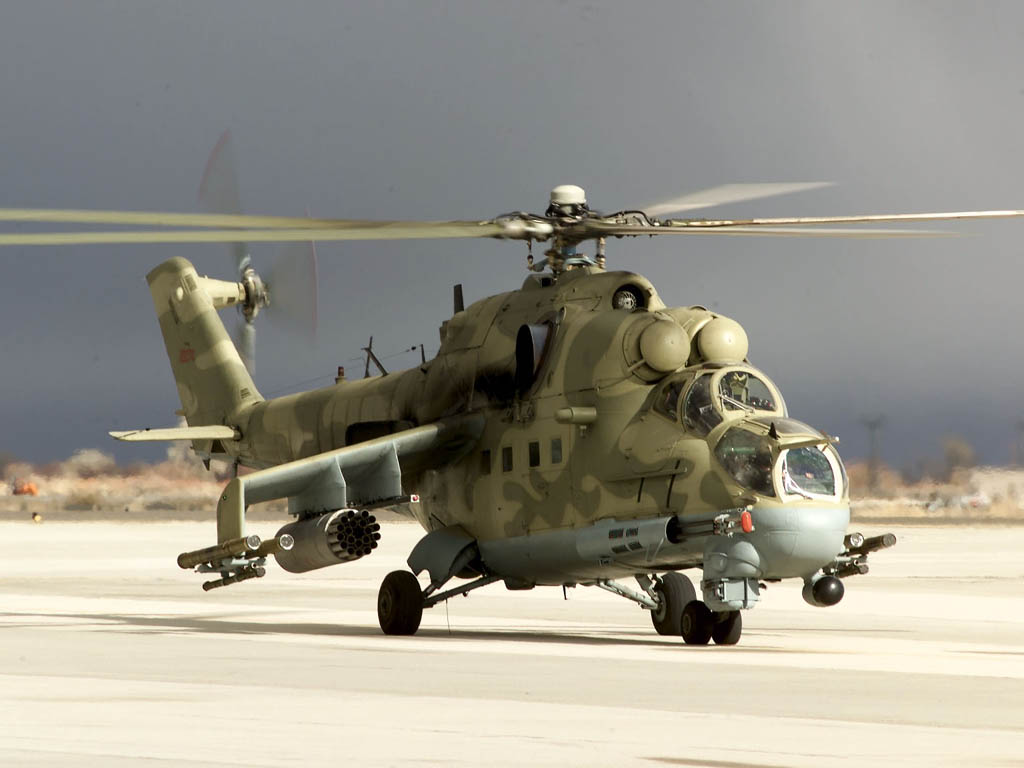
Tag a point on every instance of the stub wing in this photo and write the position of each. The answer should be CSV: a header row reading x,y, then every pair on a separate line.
x,y
210,432
369,472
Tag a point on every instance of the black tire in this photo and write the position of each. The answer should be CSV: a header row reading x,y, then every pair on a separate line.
x,y
697,623
674,591
399,604
727,628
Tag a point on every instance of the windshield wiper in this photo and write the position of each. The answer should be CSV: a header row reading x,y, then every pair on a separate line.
x,y
790,486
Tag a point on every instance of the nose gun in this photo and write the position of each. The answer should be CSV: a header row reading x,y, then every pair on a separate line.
x,y
853,561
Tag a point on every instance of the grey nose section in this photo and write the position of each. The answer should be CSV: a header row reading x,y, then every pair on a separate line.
x,y
786,542
798,540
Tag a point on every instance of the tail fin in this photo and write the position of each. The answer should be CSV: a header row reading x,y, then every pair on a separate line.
x,y
212,380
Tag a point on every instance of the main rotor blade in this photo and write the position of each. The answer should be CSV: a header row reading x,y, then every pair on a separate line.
x,y
514,228
621,230
353,230
729,193
871,217
160,219
786,226
848,232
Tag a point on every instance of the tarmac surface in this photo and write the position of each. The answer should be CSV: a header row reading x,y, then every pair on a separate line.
x,y
112,656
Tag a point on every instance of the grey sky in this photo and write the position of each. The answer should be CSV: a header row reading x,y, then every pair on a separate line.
x,y
464,110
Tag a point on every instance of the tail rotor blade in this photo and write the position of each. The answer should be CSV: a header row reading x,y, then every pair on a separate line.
x,y
293,289
218,192
247,346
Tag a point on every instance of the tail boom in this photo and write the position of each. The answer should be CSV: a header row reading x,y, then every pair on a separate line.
x,y
213,383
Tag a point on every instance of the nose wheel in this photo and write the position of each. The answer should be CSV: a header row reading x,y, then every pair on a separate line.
x,y
699,625
728,628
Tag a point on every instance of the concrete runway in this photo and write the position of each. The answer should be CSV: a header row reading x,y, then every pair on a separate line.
x,y
111,656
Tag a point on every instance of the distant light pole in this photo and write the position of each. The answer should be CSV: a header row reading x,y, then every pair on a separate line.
x,y
874,426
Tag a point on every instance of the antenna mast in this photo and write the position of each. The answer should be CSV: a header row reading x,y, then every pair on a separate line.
x,y
874,425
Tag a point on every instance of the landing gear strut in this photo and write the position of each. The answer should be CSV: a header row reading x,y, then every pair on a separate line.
x,y
675,609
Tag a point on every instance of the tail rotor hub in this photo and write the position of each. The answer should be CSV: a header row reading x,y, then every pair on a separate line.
x,y
257,295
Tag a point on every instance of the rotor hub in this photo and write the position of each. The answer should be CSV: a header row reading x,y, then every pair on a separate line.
x,y
257,294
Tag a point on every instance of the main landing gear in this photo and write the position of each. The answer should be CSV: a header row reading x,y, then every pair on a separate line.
x,y
399,604
400,601
671,599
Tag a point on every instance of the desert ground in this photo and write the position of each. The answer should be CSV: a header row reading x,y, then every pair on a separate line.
x,y
112,655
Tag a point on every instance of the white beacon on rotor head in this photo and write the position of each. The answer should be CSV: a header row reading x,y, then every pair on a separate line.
x,y
568,194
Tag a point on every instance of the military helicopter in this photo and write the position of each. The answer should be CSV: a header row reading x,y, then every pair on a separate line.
x,y
574,431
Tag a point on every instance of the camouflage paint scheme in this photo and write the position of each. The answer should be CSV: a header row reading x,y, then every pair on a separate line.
x,y
634,461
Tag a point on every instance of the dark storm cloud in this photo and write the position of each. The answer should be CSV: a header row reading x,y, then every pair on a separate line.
x,y
463,110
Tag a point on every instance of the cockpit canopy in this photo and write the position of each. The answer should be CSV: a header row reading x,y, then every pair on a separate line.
x,y
761,448
702,400
796,462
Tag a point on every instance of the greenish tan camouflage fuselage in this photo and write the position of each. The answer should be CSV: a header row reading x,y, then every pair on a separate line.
x,y
632,461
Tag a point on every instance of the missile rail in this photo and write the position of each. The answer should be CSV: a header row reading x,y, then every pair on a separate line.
x,y
236,560
853,560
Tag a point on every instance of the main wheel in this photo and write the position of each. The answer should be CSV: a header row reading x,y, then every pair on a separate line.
x,y
400,604
727,628
697,623
674,591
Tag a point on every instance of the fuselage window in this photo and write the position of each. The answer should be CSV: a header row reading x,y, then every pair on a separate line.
x,y
485,462
534,450
556,450
506,459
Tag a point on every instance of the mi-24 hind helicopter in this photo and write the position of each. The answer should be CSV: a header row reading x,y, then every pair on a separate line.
x,y
575,431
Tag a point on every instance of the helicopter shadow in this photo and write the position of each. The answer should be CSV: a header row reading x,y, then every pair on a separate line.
x,y
224,624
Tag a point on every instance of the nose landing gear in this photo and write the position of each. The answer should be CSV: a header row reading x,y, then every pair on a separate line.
x,y
700,625
728,628
676,611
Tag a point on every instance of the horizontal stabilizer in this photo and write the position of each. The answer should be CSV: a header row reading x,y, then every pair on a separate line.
x,y
211,432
